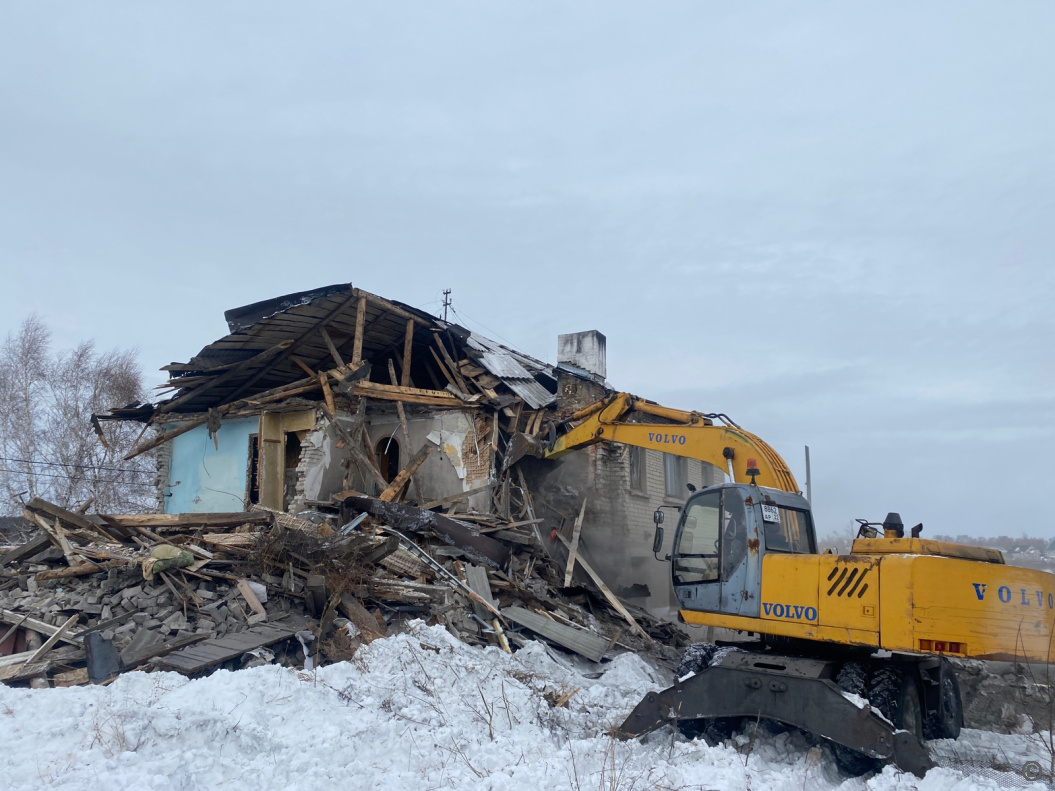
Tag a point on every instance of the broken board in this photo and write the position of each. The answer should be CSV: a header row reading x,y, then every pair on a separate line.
x,y
202,656
590,645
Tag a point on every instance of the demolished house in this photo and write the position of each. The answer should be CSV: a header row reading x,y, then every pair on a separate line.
x,y
337,463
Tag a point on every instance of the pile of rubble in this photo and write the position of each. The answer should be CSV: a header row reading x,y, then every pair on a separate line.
x,y
92,596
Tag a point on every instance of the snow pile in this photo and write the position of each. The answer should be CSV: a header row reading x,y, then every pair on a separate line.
x,y
414,711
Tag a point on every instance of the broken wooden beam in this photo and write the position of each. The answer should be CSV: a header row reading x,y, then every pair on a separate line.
x,y
455,498
411,395
393,489
573,545
12,617
80,570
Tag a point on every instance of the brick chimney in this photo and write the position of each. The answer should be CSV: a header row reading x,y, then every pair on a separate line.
x,y
582,368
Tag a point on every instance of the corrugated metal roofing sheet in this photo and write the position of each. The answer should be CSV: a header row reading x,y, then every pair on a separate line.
x,y
504,366
535,395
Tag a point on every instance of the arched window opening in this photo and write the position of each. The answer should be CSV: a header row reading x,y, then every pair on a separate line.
x,y
387,452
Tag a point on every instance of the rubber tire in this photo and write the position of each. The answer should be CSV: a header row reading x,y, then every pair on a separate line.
x,y
853,677
895,694
947,722
714,730
697,657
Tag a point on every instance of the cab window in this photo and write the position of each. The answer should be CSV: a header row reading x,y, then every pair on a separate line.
x,y
792,533
734,532
696,553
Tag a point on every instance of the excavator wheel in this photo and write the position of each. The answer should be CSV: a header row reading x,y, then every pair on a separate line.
x,y
853,677
895,694
946,722
696,657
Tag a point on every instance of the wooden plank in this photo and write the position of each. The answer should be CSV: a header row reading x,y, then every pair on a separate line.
x,y
211,652
330,315
360,320
58,536
616,604
59,634
302,365
414,394
455,371
403,424
161,649
408,345
581,641
327,393
250,598
32,547
352,444
58,512
66,653
454,498
223,377
573,546
393,489
443,368
330,345
392,308
476,578
12,617
218,519
79,570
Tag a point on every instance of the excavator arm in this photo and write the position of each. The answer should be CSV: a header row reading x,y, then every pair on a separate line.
x,y
690,434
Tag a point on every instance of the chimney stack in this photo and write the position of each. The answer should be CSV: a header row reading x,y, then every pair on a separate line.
x,y
584,350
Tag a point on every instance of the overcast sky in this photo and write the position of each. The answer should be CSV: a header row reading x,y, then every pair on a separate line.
x,y
832,221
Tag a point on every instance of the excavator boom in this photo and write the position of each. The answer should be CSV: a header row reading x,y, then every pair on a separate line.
x,y
689,434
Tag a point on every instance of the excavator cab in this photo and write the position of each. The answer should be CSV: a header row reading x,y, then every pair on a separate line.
x,y
721,537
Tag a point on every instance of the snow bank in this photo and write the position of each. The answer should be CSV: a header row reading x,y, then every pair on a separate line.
x,y
415,711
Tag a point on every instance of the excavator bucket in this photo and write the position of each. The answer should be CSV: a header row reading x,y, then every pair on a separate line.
x,y
795,691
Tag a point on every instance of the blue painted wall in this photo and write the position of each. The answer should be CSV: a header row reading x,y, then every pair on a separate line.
x,y
210,479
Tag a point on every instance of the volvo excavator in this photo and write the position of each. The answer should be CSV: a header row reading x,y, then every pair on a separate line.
x,y
852,648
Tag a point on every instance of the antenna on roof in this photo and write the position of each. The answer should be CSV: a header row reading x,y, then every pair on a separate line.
x,y
446,302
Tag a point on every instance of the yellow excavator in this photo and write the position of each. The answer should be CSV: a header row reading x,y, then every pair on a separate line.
x,y
850,647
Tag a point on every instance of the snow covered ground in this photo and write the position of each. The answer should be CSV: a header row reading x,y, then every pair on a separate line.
x,y
418,710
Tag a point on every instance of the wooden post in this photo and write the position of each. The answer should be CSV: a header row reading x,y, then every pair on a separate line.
x,y
360,319
408,343
573,547
403,421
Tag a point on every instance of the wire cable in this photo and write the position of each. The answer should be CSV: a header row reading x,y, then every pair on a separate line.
x,y
73,477
75,466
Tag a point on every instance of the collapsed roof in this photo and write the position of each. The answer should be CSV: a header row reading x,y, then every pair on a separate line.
x,y
277,342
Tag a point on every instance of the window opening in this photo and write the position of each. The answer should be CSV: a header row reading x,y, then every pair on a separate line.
x,y
292,461
696,554
637,469
387,452
674,473
791,534
734,532
253,473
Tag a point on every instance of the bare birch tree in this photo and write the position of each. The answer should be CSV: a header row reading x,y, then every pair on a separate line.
x,y
48,447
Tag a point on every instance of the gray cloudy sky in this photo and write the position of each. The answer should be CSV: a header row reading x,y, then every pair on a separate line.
x,y
832,221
